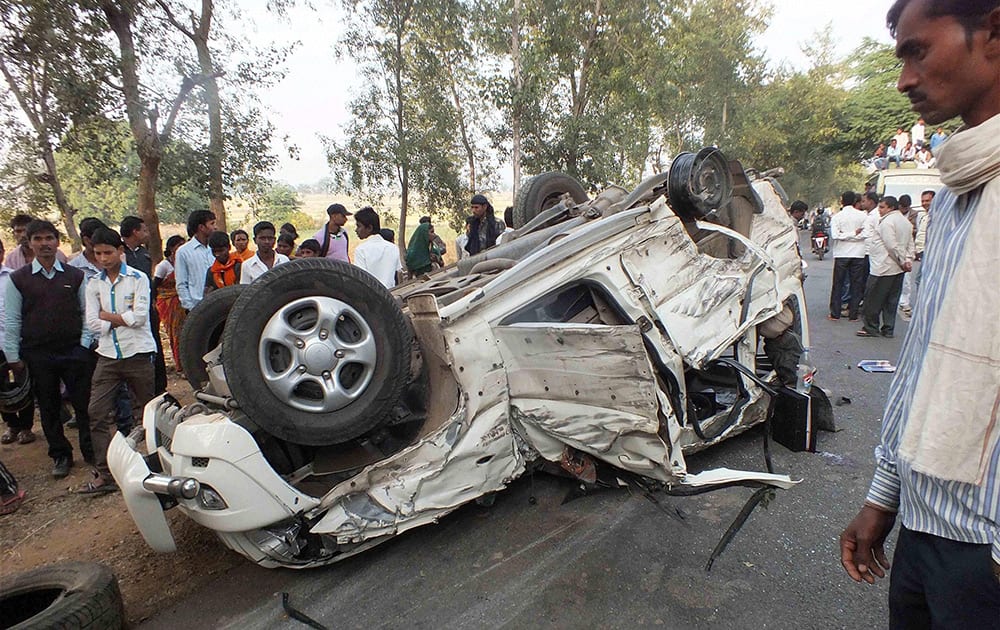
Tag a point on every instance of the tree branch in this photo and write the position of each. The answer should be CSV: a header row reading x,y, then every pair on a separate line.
x,y
173,20
187,84
21,100
205,23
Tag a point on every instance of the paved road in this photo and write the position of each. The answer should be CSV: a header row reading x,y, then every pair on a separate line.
x,y
613,559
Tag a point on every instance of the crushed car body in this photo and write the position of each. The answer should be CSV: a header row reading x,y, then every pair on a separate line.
x,y
615,333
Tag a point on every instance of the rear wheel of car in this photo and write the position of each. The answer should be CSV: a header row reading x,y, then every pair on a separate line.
x,y
66,595
543,191
317,352
202,332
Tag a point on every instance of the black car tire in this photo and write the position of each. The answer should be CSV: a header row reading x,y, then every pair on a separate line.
x,y
202,332
65,595
321,278
543,191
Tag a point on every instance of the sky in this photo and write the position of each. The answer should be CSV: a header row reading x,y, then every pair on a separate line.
x,y
313,97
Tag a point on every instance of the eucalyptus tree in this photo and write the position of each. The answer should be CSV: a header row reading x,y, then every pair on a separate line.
x,y
404,135
708,69
576,97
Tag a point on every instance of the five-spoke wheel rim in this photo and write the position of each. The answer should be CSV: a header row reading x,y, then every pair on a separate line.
x,y
317,354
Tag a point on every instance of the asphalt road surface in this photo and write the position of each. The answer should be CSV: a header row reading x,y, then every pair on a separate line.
x,y
614,559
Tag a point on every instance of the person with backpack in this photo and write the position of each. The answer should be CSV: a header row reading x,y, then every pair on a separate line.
x,y
332,237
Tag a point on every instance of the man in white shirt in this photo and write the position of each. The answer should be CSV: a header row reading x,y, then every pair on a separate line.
x,y
901,138
847,231
917,133
85,261
891,256
118,313
192,260
374,254
265,258
869,205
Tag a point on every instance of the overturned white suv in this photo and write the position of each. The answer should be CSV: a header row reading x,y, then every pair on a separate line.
x,y
608,335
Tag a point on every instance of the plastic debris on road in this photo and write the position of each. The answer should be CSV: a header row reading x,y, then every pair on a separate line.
x,y
872,365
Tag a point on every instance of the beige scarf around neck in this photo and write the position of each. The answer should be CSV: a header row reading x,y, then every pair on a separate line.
x,y
952,429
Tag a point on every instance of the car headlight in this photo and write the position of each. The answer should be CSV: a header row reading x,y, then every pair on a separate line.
x,y
699,183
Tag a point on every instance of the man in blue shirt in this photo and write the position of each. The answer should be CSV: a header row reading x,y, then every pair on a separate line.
x,y
938,461
936,139
192,260
45,306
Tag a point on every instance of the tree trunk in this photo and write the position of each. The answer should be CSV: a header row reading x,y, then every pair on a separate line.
x,y
148,140
149,173
470,153
65,210
401,142
515,119
216,194
404,203
725,117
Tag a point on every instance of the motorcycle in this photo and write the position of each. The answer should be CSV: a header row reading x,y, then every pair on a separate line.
x,y
820,244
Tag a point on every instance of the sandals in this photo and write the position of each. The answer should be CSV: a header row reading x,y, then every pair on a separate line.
x,y
93,489
9,503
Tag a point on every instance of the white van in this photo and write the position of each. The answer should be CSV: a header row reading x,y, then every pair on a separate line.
x,y
906,181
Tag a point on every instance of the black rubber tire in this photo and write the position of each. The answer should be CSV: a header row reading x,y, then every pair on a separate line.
x,y
65,595
541,192
317,277
819,255
202,332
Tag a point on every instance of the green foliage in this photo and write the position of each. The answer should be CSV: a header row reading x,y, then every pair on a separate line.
x,y
279,204
99,168
607,91
404,126
874,108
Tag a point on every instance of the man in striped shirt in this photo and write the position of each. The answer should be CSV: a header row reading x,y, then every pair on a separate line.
x,y
947,558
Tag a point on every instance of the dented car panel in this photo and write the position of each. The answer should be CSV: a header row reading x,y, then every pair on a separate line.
x,y
603,343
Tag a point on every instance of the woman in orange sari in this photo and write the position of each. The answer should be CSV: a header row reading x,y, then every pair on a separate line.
x,y
168,305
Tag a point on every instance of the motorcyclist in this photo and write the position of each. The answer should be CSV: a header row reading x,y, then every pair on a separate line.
x,y
821,222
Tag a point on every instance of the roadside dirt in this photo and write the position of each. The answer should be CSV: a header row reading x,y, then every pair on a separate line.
x,y
55,525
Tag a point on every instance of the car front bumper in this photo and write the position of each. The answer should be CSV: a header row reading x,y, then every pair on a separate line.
x,y
201,454
129,469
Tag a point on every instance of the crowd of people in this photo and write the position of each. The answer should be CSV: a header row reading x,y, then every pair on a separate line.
x,y
913,147
85,331
876,242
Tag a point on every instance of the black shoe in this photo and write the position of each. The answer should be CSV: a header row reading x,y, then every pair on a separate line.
x,y
62,466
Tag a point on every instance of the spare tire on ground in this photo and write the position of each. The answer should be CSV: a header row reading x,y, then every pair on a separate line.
x,y
202,332
66,595
317,352
543,191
